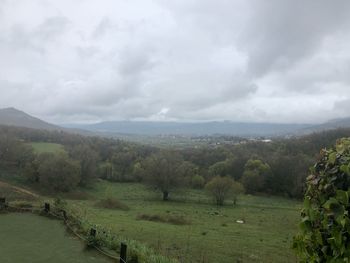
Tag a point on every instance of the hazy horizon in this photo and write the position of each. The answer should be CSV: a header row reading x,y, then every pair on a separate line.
x,y
72,124
185,61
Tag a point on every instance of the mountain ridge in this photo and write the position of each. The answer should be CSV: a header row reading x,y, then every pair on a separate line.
x,y
14,117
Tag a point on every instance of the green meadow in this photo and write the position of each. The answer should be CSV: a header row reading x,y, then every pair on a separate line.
x,y
45,147
200,231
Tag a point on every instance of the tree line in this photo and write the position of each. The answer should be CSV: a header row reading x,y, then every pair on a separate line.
x,y
277,168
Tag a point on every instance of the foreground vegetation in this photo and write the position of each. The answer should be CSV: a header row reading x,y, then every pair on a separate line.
x,y
325,223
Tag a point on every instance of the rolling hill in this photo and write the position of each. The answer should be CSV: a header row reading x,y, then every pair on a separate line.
x,y
14,117
329,125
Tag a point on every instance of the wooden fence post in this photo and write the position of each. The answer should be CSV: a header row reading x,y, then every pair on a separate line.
x,y
2,202
47,207
64,215
123,248
93,232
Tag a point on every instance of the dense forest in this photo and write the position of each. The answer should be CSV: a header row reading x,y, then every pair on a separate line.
x,y
275,168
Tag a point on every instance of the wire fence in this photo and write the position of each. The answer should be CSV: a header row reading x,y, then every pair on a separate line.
x,y
73,224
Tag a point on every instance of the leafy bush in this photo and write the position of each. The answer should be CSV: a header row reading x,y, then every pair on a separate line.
x,y
325,224
222,188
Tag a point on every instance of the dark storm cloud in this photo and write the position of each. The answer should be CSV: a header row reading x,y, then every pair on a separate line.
x,y
241,60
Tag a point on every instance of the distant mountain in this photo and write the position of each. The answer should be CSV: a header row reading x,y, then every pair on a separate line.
x,y
329,125
183,128
14,117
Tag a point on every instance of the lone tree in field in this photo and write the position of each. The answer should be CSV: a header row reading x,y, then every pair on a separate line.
x,y
222,188
325,224
162,171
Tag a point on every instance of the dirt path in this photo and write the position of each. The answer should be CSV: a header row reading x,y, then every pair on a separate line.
x,y
19,189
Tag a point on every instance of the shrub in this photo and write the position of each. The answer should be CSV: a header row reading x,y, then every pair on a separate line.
x,y
112,203
77,195
170,219
325,224
60,203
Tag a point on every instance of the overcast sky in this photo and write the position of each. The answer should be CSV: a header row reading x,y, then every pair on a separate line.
x,y
187,60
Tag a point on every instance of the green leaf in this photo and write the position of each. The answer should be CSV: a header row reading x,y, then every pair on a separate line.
x,y
343,222
332,157
330,203
319,237
307,202
345,169
305,225
342,196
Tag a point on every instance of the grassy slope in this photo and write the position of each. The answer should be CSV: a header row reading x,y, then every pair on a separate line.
x,y
42,239
213,236
42,147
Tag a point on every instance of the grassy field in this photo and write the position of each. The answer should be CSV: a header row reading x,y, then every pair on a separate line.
x,y
43,147
213,235
32,238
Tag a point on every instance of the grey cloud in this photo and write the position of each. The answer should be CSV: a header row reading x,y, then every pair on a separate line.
x,y
51,27
103,27
343,107
20,39
87,52
281,33
177,60
134,62
33,40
